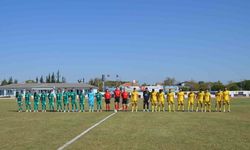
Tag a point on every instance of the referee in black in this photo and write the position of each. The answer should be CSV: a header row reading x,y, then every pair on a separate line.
x,y
146,96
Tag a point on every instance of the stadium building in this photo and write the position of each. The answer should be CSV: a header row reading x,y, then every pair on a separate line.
x,y
12,89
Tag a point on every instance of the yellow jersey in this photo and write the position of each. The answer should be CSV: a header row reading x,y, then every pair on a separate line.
x,y
191,96
201,96
154,96
180,96
226,96
219,96
161,97
207,96
170,97
134,96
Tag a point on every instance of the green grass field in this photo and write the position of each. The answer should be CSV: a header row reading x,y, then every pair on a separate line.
x,y
31,131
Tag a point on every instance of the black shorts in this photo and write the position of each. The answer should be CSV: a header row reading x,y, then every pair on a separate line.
x,y
107,101
125,101
117,100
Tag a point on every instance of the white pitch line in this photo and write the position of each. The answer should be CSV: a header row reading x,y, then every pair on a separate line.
x,y
85,132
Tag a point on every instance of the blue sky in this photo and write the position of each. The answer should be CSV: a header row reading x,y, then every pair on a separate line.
x,y
146,40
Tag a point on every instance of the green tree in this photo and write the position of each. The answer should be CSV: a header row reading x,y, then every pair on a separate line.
x,y
53,78
4,82
145,84
10,80
91,82
193,85
233,86
30,81
49,78
169,81
96,82
63,80
217,86
58,77
245,85
41,79
15,81
185,88
203,85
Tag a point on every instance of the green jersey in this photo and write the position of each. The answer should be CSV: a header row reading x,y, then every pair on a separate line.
x,y
27,97
82,98
65,97
19,98
43,97
98,96
73,96
36,98
59,97
51,98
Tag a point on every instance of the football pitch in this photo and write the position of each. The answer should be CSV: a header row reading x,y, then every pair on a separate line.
x,y
139,131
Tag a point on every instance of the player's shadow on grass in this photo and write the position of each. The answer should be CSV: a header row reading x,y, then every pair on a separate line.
x,y
13,111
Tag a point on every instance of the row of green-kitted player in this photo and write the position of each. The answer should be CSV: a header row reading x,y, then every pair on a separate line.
x,y
61,101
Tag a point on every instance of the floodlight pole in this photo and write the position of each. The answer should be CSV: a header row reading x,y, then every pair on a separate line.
x,y
103,82
103,86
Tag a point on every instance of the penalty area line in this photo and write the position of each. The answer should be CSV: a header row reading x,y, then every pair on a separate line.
x,y
85,132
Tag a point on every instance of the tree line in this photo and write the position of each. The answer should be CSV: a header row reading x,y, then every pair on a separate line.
x,y
213,86
186,86
99,83
9,81
50,78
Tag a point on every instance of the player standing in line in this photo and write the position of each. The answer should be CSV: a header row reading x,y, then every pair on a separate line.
x,y
27,101
43,99
161,101
99,101
36,101
153,98
19,99
59,96
146,97
180,98
125,96
117,94
91,100
219,99
200,99
134,100
170,98
107,97
73,96
81,101
226,100
51,98
65,100
191,98
207,101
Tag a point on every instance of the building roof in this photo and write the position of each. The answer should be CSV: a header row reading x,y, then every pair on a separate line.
x,y
47,85
128,84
